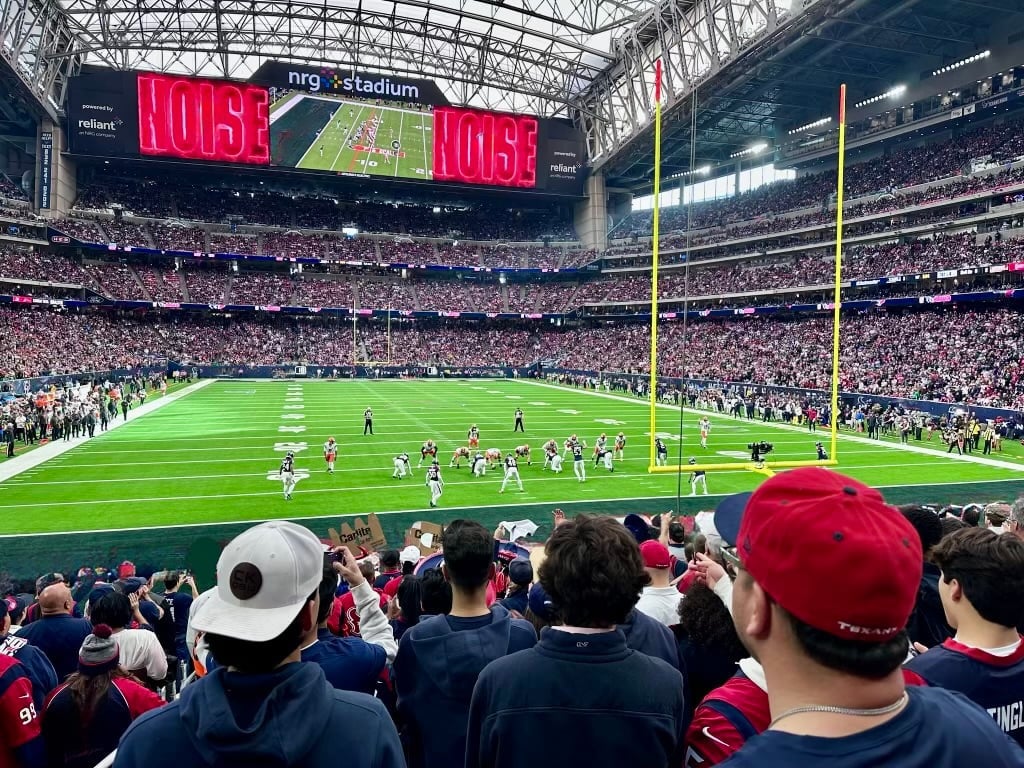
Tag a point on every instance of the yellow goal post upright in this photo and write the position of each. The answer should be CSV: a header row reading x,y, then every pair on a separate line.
x,y
355,338
764,467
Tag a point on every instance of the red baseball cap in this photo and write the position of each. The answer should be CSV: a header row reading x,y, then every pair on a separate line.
x,y
829,550
655,554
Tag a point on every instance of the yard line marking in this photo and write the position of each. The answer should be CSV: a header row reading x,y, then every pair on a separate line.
x,y
401,122
793,428
547,476
418,510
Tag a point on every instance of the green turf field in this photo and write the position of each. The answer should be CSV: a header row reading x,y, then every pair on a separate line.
x,y
213,456
385,140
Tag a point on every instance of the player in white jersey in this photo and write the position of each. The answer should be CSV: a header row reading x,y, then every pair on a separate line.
x,y
287,474
606,456
479,465
660,452
555,462
492,456
579,466
330,454
473,436
620,446
698,478
599,447
462,452
567,446
523,452
705,428
511,473
402,466
434,482
429,449
550,449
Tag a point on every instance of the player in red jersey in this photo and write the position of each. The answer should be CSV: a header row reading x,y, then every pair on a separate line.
x,y
473,436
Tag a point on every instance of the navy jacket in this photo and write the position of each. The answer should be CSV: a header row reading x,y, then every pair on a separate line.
x,y
650,636
60,638
37,667
587,698
995,683
927,624
937,729
349,663
517,601
290,717
437,665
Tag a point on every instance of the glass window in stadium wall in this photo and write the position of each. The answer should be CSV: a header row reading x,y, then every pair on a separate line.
x,y
718,188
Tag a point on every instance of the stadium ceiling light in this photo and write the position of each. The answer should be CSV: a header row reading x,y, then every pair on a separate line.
x,y
702,170
961,63
809,126
753,150
892,93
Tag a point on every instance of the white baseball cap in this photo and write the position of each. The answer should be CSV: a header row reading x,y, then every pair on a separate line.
x,y
410,554
265,575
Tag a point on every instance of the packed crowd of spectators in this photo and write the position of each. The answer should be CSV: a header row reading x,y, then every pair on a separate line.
x,y
950,355
206,285
885,175
164,196
159,284
9,188
29,264
311,292
261,289
176,237
293,245
701,638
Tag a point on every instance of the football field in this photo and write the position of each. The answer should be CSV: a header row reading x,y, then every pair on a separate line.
x,y
213,455
327,134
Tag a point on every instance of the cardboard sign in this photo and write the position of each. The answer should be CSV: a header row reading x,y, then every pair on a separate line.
x,y
367,534
426,536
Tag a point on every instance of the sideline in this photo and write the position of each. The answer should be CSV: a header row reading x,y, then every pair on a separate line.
x,y
34,458
793,428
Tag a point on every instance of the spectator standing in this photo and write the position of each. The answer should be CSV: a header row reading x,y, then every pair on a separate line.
x,y
87,715
178,604
659,599
390,564
21,742
57,633
831,648
350,663
981,586
440,659
927,625
139,650
34,661
261,705
581,690
406,606
520,576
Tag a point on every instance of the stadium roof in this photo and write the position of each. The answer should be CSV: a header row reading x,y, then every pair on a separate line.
x,y
520,55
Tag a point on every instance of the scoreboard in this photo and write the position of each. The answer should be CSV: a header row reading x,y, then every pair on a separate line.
x,y
144,115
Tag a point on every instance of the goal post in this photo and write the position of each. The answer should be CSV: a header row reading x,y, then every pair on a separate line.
x,y
764,467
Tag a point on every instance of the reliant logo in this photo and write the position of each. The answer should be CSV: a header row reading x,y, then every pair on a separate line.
x,y
99,125
560,168
329,80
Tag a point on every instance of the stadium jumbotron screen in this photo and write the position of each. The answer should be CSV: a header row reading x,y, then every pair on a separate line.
x,y
318,121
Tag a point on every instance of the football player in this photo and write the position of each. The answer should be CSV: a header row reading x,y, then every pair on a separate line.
x,y
523,452
287,474
429,449
493,456
330,454
660,452
579,467
606,456
511,473
479,465
434,482
620,446
550,449
460,453
473,436
402,466
698,477
705,428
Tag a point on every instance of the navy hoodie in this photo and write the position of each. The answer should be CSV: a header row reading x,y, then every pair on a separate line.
x,y
350,663
437,665
289,717
650,636
588,699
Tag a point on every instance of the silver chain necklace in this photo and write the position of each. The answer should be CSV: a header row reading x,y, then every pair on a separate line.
x,y
887,709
